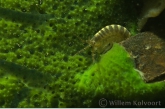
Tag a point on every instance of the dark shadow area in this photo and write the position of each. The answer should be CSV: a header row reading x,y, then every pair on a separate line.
x,y
156,25
33,77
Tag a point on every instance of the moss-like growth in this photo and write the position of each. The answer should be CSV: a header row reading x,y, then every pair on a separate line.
x,y
114,77
40,56
10,90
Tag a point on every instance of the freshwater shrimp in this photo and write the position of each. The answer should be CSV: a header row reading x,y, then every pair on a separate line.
x,y
103,39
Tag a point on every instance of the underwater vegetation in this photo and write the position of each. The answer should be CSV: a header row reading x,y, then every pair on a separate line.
x,y
38,68
18,16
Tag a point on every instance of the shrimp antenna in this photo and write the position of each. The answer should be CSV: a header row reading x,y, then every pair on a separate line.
x,y
85,48
88,46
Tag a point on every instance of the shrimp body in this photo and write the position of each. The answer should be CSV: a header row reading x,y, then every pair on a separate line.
x,y
103,39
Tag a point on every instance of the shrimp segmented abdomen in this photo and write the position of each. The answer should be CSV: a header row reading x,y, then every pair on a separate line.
x,y
107,35
103,40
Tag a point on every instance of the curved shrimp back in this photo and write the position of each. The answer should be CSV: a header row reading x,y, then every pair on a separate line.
x,y
103,39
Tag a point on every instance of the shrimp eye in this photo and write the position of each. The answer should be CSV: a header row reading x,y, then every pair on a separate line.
x,y
92,42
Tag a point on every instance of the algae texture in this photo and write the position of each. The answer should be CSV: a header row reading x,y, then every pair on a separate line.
x,y
115,79
37,66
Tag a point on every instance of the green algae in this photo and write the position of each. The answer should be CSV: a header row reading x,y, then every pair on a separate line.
x,y
114,77
17,16
40,61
